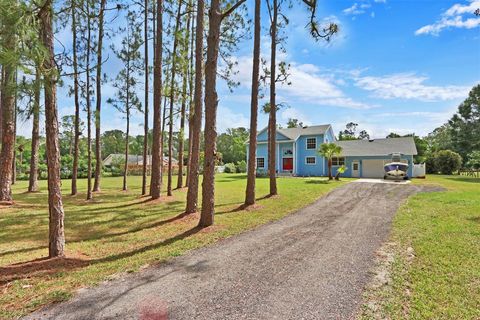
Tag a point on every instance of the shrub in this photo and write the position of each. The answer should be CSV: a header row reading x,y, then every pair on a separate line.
x,y
430,164
230,168
447,161
261,173
241,166
341,170
474,160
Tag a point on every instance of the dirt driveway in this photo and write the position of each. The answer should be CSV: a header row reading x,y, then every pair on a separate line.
x,y
312,264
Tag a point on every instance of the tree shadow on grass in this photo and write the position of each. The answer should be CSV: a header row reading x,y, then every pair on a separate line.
x,y
243,207
474,219
465,179
104,236
317,181
44,267
39,268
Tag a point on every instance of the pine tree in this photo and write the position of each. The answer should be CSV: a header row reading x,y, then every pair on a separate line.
x,y
157,156
126,99
211,102
196,114
56,246
252,151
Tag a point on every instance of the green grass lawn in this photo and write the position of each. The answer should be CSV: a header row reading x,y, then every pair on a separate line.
x,y
120,232
442,280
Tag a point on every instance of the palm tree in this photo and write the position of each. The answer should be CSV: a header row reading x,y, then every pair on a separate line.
x,y
329,150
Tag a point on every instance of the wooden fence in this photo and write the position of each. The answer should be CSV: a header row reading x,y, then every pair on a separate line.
x,y
469,172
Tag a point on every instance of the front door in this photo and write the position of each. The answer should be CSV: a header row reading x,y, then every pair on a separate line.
x,y
355,169
287,164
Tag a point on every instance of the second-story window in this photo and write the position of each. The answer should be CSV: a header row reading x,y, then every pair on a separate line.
x,y
311,143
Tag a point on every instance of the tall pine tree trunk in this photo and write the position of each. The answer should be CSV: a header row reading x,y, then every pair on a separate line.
x,y
76,100
272,121
56,246
157,156
127,140
252,150
15,110
8,118
172,98
88,105
98,109
211,103
191,74
181,138
193,176
1,100
145,124
33,178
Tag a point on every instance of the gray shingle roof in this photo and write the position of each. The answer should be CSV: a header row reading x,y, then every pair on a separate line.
x,y
378,147
294,133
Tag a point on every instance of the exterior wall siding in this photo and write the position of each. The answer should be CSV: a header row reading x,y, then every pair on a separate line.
x,y
304,169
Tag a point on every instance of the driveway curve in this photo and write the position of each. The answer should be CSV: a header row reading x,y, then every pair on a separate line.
x,y
312,264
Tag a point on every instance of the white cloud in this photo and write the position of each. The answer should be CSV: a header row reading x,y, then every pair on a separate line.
x,y
229,119
453,18
308,84
408,86
435,117
355,9
293,113
360,8
458,9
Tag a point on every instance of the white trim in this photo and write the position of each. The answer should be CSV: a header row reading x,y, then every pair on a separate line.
x,y
358,163
306,143
310,164
294,158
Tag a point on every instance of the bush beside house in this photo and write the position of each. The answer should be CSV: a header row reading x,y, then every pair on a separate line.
x,y
446,162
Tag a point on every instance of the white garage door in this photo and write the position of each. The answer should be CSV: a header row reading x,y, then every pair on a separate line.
x,y
372,169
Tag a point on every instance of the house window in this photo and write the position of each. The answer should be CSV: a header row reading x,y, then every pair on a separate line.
x,y
311,143
260,162
310,160
338,161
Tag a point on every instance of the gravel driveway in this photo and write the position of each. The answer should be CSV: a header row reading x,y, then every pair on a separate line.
x,y
313,264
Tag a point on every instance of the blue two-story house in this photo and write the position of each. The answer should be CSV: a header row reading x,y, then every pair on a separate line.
x,y
297,153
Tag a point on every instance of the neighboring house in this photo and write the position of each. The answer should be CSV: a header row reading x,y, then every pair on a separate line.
x,y
134,160
297,153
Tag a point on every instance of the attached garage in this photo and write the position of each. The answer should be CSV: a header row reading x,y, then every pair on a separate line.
x,y
370,156
372,168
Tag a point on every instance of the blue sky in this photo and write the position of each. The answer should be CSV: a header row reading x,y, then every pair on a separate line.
x,y
401,66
